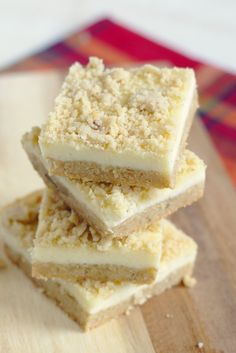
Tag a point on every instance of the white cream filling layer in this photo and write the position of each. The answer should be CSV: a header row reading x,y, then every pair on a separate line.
x,y
157,196
128,159
119,257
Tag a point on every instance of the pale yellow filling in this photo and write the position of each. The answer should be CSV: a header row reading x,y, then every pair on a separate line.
x,y
87,256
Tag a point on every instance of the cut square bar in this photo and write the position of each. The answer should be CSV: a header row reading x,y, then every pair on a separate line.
x,y
66,247
116,209
93,303
122,126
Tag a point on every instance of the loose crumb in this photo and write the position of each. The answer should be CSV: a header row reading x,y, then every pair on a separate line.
x,y
169,316
2,264
200,345
189,281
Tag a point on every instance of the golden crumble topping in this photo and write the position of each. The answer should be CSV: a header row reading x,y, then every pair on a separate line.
x,y
118,109
175,243
61,226
92,289
117,201
21,217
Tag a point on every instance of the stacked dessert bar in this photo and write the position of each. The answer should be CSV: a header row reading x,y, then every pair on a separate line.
x,y
112,155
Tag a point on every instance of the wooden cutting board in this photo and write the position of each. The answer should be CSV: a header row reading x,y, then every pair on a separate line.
x,y
30,323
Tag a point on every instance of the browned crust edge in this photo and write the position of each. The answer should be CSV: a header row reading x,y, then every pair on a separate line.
x,y
117,175
70,306
137,222
79,272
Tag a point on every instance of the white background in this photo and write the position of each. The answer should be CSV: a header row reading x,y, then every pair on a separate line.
x,y
204,29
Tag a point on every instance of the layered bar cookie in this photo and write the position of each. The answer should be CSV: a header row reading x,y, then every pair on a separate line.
x,y
92,303
66,247
125,126
116,209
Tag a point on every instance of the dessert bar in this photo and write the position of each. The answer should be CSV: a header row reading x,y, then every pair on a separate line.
x,y
93,303
125,126
119,209
66,247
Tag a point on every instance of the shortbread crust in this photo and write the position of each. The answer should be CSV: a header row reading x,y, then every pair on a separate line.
x,y
93,303
113,209
67,247
120,126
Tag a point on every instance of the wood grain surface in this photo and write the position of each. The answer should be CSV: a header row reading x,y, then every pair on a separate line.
x,y
171,323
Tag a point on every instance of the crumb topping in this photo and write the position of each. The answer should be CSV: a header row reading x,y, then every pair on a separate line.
x,y
61,226
93,289
21,217
116,201
175,243
118,109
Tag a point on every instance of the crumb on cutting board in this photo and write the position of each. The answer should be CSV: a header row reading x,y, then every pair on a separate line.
x,y
200,345
169,316
189,281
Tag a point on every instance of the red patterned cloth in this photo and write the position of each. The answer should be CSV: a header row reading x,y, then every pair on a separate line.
x,y
119,45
